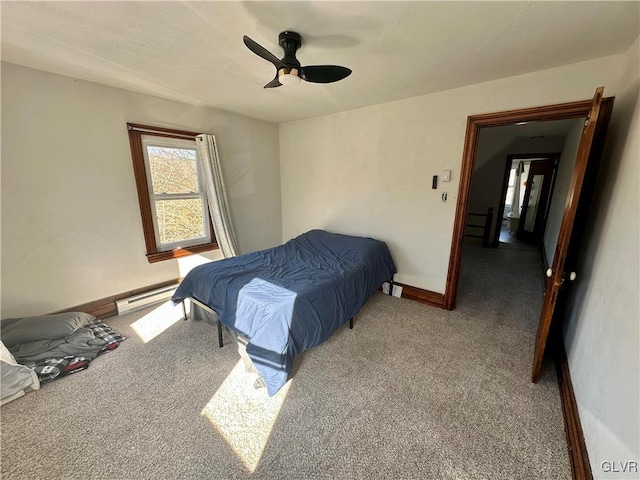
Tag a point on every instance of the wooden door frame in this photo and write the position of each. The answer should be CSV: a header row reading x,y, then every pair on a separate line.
x,y
560,111
505,184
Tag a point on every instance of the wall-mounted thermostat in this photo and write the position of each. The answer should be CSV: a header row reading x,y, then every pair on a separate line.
x,y
446,176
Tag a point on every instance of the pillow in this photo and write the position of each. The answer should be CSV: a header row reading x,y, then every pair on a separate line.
x,y
16,331
14,378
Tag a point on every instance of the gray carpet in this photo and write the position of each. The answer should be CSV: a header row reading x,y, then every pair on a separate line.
x,y
411,392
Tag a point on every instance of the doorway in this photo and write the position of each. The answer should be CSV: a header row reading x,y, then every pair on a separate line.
x,y
532,177
577,201
536,199
475,124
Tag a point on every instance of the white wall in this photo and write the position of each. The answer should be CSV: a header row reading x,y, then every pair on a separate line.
x,y
601,328
368,171
71,228
561,188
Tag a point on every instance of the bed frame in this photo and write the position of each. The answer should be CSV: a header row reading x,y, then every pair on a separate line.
x,y
208,309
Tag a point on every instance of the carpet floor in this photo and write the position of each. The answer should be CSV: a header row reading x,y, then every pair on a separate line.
x,y
411,392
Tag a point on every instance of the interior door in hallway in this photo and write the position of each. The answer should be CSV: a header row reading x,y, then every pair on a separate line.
x,y
536,200
574,219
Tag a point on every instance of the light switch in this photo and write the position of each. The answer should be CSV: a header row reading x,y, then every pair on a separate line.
x,y
446,176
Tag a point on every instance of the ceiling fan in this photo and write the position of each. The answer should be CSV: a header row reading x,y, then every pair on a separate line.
x,y
288,69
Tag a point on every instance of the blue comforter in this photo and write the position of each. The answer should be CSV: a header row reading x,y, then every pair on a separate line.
x,y
287,299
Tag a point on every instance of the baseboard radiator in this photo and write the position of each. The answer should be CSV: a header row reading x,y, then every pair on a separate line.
x,y
136,302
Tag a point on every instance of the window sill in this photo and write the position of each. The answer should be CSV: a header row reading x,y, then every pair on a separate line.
x,y
180,252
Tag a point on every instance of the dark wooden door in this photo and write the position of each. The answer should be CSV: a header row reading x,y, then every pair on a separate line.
x,y
536,199
575,214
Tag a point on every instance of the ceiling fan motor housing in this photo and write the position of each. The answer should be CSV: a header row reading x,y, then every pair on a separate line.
x,y
290,43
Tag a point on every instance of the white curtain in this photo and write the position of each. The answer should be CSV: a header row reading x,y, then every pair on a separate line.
x,y
216,194
515,205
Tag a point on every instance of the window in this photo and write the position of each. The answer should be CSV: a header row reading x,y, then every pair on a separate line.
x,y
173,204
508,201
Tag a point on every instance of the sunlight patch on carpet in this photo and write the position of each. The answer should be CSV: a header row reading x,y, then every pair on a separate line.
x,y
157,321
244,415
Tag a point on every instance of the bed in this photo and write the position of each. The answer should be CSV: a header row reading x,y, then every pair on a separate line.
x,y
290,298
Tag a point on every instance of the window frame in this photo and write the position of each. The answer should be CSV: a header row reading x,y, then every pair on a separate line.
x,y
143,186
183,144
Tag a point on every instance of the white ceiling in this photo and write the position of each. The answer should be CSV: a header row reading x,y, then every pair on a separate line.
x,y
553,128
193,51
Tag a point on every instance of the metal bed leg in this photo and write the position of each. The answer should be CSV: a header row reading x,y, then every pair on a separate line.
x,y
351,323
184,311
207,308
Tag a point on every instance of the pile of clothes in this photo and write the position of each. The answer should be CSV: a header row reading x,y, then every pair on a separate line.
x,y
52,346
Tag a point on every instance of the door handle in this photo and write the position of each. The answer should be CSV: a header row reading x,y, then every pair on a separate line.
x,y
572,275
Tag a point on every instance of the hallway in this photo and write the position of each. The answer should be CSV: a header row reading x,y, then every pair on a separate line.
x,y
507,285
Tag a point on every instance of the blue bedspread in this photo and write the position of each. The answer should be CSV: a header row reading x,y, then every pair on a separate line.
x,y
287,299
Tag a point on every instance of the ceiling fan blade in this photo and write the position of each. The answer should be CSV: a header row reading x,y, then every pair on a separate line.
x,y
324,73
262,52
273,83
